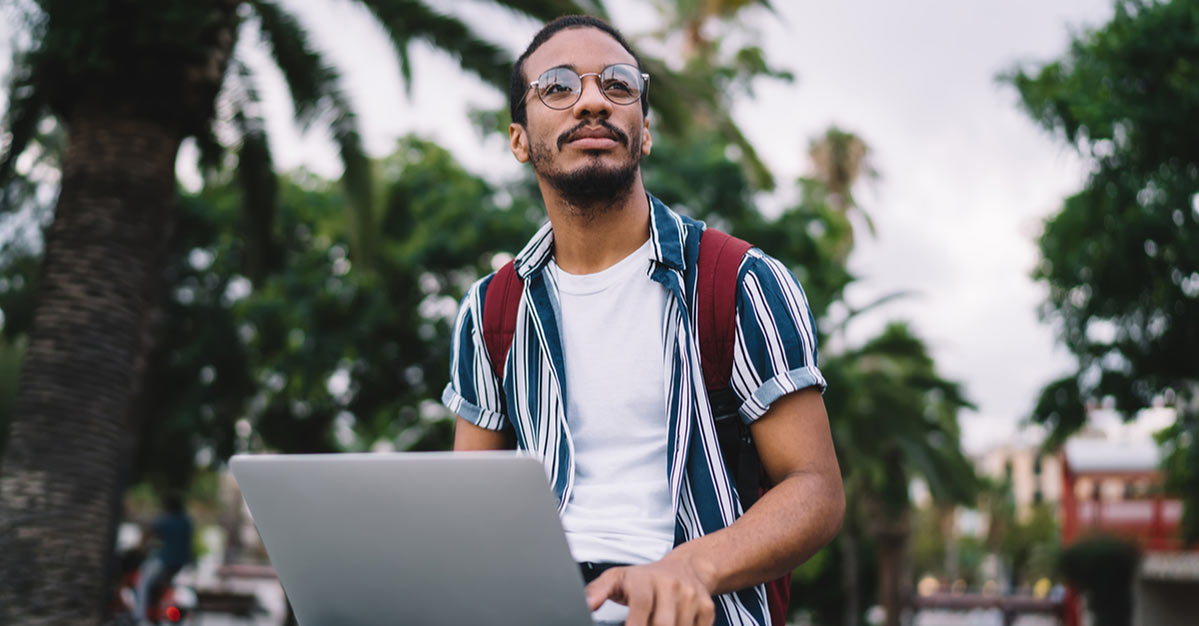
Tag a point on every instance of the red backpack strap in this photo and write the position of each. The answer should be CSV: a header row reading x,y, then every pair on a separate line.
x,y
716,301
720,257
500,304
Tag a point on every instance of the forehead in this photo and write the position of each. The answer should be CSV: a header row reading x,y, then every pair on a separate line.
x,y
585,49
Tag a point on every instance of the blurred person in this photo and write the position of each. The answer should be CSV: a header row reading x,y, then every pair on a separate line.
x,y
170,538
602,378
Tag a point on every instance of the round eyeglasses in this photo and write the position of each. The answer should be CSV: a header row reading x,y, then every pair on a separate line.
x,y
561,87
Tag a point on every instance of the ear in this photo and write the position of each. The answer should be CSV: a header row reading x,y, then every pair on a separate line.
x,y
518,141
647,140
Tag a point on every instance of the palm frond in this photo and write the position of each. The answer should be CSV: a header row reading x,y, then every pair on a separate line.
x,y
755,168
405,67
316,91
681,100
856,312
357,180
210,149
260,194
408,20
672,97
308,77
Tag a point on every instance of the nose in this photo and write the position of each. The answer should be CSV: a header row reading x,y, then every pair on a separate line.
x,y
592,102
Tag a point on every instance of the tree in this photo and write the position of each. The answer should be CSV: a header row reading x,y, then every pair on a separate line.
x,y
326,355
894,419
129,81
1121,257
701,93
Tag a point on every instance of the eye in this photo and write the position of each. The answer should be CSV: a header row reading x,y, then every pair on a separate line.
x,y
556,89
617,86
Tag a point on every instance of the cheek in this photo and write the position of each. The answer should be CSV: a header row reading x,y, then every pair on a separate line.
x,y
541,136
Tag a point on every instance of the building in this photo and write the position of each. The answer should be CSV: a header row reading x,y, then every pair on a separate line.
x,y
1033,474
1111,485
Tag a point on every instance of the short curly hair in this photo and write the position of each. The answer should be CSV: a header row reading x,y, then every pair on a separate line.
x,y
518,84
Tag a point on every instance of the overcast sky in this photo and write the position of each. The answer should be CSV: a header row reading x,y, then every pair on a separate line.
x,y
966,178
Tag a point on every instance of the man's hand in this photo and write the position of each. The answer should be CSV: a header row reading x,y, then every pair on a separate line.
x,y
669,592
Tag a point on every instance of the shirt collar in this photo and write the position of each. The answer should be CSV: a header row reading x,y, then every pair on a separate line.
x,y
665,230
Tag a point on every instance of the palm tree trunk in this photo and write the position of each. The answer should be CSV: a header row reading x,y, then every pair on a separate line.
x,y
891,538
890,569
61,481
852,611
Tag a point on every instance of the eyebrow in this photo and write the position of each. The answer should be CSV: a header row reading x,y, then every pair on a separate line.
x,y
572,67
569,66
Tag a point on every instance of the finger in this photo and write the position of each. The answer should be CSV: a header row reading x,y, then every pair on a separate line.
x,y
666,603
707,611
608,585
665,610
688,610
641,603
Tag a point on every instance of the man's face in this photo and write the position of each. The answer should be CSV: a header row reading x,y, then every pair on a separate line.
x,y
589,152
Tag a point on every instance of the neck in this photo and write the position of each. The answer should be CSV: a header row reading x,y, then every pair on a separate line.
x,y
593,238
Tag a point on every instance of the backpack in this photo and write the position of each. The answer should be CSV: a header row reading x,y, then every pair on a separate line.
x,y
720,257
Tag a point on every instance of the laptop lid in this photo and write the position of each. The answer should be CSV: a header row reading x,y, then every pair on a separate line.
x,y
414,538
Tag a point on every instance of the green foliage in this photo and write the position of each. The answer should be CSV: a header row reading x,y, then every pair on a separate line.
x,y
1032,546
698,175
10,369
321,355
894,418
316,354
818,587
696,99
929,545
146,57
971,553
19,263
1104,569
1121,258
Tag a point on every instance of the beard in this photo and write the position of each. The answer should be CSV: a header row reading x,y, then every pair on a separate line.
x,y
594,187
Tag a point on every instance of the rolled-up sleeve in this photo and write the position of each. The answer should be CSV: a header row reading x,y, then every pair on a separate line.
x,y
473,391
775,347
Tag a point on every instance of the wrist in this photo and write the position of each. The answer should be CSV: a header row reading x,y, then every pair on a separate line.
x,y
702,567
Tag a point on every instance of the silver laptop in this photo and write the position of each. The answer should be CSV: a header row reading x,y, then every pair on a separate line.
x,y
414,538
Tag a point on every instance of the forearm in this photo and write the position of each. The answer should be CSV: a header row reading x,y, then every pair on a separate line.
x,y
468,437
787,525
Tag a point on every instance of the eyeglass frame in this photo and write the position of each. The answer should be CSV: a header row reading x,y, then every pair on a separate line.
x,y
644,87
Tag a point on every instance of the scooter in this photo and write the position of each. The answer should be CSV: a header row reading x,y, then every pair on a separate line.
x,y
170,603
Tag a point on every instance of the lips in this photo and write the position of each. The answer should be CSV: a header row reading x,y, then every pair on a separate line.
x,y
593,137
593,133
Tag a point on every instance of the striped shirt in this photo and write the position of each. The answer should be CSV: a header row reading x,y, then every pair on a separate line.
x,y
774,354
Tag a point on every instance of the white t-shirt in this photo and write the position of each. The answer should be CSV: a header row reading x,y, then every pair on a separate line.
x,y
611,321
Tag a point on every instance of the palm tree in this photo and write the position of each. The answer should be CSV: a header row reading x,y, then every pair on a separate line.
x,y
130,81
839,160
894,419
701,92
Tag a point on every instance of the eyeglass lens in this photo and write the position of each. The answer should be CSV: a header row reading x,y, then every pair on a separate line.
x,y
560,87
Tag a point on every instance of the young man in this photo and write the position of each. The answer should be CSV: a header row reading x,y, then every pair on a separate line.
x,y
173,533
603,378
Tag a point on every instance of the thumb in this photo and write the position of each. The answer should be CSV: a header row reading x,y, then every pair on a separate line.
x,y
607,586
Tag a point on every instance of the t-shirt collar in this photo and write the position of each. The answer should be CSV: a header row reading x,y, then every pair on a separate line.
x,y
665,231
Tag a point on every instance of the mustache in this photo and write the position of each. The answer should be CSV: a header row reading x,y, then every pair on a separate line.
x,y
620,135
